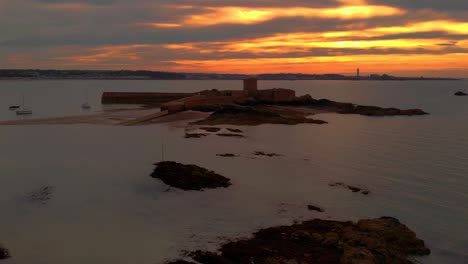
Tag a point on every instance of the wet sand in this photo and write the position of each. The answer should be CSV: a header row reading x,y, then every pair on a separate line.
x,y
127,116
113,118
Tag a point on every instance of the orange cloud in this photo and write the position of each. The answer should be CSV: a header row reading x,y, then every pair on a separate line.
x,y
102,54
353,39
254,15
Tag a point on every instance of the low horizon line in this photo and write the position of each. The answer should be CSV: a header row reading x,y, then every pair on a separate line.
x,y
246,74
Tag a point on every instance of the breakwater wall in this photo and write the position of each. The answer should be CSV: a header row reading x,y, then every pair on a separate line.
x,y
141,98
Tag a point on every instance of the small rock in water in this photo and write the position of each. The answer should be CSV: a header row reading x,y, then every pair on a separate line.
x,y
315,208
227,155
460,94
354,189
4,254
42,195
261,153
188,177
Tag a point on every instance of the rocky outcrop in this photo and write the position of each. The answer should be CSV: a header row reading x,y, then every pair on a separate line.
x,y
461,94
4,254
349,108
188,177
251,116
376,241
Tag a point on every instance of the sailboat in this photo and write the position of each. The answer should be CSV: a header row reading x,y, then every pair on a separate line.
x,y
86,105
23,110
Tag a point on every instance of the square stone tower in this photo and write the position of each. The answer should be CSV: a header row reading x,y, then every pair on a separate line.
x,y
250,87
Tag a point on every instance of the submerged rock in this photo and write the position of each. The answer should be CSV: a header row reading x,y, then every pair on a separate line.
x,y
252,116
354,189
461,94
188,177
41,195
376,241
4,254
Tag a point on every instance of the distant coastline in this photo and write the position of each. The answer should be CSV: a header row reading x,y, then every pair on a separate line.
x,y
33,74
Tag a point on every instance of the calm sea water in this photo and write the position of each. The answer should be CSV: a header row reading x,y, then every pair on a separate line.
x,y
106,209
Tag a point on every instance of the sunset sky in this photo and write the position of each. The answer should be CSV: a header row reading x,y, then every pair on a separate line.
x,y
400,37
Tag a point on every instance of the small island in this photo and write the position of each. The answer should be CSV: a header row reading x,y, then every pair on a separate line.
x,y
188,177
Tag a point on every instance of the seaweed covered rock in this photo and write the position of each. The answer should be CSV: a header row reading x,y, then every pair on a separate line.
x,y
4,254
188,177
378,241
251,116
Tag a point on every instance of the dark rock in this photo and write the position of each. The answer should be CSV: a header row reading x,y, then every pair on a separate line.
x,y
354,189
227,155
252,116
195,135
230,135
261,153
461,94
233,130
188,177
376,241
4,254
211,129
208,108
315,208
